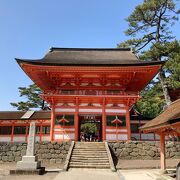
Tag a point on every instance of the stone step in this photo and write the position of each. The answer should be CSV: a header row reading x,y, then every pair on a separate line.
x,y
86,147
90,143
89,146
89,166
89,151
90,161
88,156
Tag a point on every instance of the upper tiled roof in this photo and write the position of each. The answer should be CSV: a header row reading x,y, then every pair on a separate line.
x,y
89,56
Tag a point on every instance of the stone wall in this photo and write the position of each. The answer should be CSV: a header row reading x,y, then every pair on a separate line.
x,y
48,152
143,150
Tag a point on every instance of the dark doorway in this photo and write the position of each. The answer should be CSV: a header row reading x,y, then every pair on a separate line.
x,y
90,128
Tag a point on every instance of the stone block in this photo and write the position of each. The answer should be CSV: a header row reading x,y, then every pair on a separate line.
x,y
59,161
4,158
116,145
57,151
11,158
52,161
18,158
19,148
56,146
134,154
43,147
178,171
50,146
151,153
13,148
18,153
135,149
23,152
171,154
21,165
52,151
66,147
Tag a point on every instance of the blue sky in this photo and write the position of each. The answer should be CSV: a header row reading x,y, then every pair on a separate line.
x,y
29,28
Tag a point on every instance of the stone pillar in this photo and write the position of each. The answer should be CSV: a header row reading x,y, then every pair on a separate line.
x,y
29,161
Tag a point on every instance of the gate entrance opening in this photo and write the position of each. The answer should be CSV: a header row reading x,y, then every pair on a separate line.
x,y
90,128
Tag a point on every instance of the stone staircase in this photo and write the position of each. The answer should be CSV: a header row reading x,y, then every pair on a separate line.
x,y
89,155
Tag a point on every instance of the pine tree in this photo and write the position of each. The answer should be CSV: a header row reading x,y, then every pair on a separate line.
x,y
149,27
33,99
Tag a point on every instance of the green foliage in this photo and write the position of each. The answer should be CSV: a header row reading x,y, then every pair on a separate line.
x,y
33,99
89,128
152,102
151,39
173,68
150,23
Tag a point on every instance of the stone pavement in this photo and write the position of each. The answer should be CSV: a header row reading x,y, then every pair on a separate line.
x,y
142,174
87,174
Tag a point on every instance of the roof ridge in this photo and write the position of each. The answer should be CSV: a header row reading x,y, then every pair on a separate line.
x,y
89,49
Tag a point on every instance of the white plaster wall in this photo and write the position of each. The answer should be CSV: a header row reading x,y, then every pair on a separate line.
x,y
113,137
19,139
135,135
64,110
66,136
45,138
148,136
5,139
116,110
37,138
114,130
90,110
62,129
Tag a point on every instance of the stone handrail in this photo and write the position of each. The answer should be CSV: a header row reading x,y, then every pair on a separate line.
x,y
110,158
65,168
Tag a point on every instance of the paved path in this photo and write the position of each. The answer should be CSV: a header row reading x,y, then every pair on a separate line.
x,y
87,174
146,164
143,174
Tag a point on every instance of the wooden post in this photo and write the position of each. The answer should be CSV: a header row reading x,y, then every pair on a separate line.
x,y
128,123
27,125
76,120
162,151
103,121
12,133
40,132
52,123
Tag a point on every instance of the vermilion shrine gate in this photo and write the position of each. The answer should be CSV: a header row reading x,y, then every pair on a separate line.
x,y
96,84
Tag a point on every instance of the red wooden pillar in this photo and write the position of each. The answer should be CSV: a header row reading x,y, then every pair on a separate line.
x,y
12,133
76,120
40,138
139,129
128,123
104,120
162,151
27,125
52,123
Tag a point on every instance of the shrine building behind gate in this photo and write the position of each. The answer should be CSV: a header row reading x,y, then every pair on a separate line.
x,y
90,85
